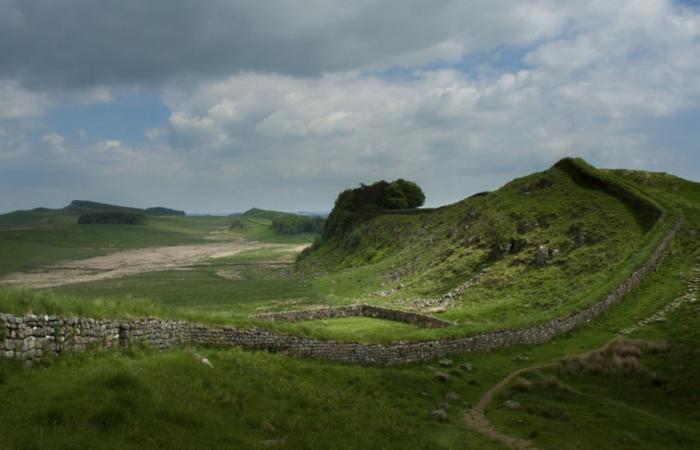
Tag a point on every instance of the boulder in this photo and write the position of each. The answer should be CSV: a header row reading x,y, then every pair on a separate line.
x,y
440,415
512,405
452,396
442,376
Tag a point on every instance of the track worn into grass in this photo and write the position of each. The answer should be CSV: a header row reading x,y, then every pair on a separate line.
x,y
132,262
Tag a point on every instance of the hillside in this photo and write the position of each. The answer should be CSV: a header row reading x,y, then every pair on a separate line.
x,y
69,214
271,226
534,249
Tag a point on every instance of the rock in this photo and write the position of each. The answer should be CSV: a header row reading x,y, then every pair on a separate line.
x,y
207,363
542,257
424,394
440,415
442,376
512,405
452,396
272,443
444,406
466,367
522,358
445,362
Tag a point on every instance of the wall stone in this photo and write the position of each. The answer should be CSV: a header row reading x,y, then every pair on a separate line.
x,y
376,312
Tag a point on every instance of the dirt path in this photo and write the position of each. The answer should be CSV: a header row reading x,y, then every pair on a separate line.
x,y
131,262
475,418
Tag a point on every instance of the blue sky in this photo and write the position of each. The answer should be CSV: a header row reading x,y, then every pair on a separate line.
x,y
218,107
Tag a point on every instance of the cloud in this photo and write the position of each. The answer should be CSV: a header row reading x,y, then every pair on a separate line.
x,y
17,102
287,113
80,43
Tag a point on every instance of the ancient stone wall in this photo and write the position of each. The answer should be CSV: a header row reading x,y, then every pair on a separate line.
x,y
33,337
376,312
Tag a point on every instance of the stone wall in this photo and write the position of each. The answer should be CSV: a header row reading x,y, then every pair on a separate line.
x,y
420,320
33,337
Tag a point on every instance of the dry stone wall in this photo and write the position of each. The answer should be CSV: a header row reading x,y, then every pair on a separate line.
x,y
375,312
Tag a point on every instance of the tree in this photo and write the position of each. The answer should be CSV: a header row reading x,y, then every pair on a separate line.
x,y
357,205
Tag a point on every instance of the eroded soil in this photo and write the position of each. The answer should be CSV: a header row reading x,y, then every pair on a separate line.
x,y
131,262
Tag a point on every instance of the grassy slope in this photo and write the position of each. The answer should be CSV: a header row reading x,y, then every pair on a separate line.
x,y
433,252
258,227
625,410
28,248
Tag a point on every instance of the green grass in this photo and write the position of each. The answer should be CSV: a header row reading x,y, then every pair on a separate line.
x,y
145,399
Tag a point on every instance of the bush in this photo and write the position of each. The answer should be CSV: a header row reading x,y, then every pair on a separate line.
x,y
238,225
113,217
297,224
354,206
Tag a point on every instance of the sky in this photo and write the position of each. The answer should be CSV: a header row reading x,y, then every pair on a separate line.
x,y
221,105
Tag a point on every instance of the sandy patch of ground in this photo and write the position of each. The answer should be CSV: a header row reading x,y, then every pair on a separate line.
x,y
229,274
131,262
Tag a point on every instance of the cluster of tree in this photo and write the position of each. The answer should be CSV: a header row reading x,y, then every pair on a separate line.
x,y
238,225
297,224
354,206
162,211
113,217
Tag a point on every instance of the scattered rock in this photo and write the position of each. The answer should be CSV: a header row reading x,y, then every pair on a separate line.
x,y
466,367
442,376
424,394
444,406
446,362
522,358
273,443
207,363
452,396
456,372
512,405
440,415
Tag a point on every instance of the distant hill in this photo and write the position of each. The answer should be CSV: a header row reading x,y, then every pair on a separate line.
x,y
161,211
259,224
69,214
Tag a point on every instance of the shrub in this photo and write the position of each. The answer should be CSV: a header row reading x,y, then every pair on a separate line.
x,y
357,205
238,225
297,224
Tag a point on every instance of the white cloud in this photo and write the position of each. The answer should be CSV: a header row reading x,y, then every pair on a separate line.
x,y
594,74
17,102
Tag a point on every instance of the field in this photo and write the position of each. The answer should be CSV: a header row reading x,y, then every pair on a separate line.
x,y
143,398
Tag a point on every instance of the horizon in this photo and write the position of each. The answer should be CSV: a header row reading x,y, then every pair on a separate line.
x,y
187,107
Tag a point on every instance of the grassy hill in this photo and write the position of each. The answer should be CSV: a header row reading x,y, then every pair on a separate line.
x,y
273,226
537,248
69,214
